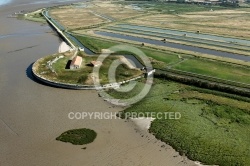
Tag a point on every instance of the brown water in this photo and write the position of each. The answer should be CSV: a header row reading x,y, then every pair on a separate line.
x,y
32,115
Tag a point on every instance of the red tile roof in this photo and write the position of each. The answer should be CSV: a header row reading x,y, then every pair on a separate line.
x,y
77,61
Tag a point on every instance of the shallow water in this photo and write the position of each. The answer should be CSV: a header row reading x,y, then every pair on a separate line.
x,y
134,61
175,45
181,33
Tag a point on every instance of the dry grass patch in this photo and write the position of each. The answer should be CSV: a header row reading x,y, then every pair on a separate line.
x,y
223,22
116,11
72,17
95,13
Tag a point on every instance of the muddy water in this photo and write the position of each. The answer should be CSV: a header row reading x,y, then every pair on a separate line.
x,y
32,115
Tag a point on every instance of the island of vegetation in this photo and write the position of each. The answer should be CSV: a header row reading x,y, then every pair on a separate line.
x,y
202,61
78,136
57,68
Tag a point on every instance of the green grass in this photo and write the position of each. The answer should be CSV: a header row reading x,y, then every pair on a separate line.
x,y
212,136
78,76
166,57
81,75
78,136
210,130
122,71
216,69
128,94
97,44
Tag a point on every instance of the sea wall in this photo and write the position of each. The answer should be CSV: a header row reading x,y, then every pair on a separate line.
x,y
77,86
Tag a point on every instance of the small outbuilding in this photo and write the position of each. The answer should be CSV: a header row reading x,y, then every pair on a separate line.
x,y
96,63
81,49
76,62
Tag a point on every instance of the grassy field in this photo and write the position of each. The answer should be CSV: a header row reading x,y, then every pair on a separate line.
x,y
71,17
213,129
116,11
215,69
122,72
84,74
96,45
129,94
78,136
91,14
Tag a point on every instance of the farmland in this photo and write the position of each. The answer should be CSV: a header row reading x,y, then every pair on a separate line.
x,y
80,16
222,22
146,21
72,18
227,44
